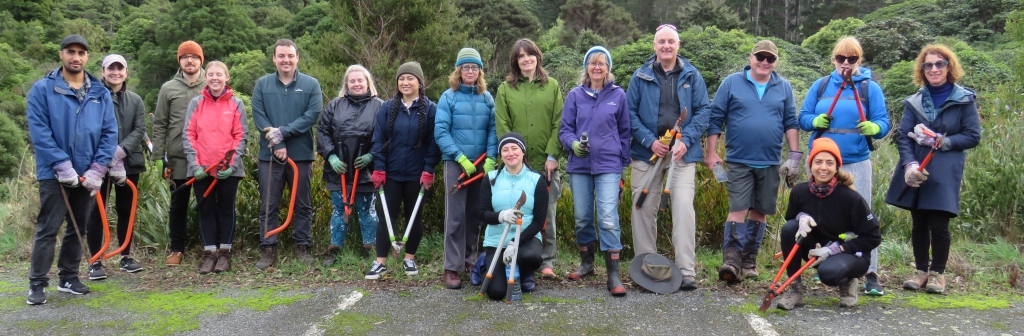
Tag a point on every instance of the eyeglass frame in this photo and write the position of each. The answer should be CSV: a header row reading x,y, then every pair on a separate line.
x,y
470,67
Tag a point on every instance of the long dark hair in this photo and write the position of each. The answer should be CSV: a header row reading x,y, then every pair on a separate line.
x,y
393,114
531,49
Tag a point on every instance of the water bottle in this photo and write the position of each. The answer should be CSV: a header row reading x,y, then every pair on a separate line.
x,y
720,172
517,289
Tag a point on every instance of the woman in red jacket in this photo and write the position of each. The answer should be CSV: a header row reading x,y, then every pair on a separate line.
x,y
214,125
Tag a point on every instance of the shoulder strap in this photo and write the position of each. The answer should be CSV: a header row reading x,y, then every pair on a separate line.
x,y
822,83
863,92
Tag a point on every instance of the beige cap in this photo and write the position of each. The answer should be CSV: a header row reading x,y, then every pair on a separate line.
x,y
766,46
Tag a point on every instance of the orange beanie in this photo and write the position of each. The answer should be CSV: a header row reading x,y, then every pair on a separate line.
x,y
190,47
825,145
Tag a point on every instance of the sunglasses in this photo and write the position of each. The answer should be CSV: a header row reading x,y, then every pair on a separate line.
x,y
843,59
667,25
941,64
762,57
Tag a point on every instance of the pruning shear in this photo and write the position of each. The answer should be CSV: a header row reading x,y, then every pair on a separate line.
x,y
847,79
227,156
667,139
924,163
221,165
462,183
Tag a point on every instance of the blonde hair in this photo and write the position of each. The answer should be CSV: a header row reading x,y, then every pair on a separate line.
x,y
608,77
456,78
955,72
218,64
849,46
369,80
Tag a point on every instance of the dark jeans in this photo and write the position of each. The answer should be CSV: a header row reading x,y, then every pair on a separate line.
x,y
834,271
930,226
217,212
528,260
123,206
52,213
302,220
177,222
398,194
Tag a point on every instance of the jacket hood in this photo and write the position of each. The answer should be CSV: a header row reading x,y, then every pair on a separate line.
x,y
227,94
960,95
95,84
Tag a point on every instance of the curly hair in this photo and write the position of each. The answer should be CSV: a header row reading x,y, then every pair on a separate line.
x,y
955,73
456,78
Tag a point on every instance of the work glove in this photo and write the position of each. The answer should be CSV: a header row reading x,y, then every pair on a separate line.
x,y
119,153
823,253
363,161
94,178
488,165
510,253
578,149
378,178
806,223
821,121
336,164
117,172
223,174
200,173
509,216
791,168
868,128
426,180
66,174
274,136
467,166
926,137
913,177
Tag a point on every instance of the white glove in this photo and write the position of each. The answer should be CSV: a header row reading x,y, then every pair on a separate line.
x,y
823,253
806,223
509,216
117,172
510,253
274,135
913,177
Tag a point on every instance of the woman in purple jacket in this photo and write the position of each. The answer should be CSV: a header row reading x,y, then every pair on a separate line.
x,y
595,128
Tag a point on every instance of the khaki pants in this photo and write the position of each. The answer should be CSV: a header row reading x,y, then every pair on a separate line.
x,y
550,243
644,220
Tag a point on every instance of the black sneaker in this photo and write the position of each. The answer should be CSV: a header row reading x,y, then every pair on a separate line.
x,y
871,285
410,267
376,270
129,265
96,271
36,295
73,286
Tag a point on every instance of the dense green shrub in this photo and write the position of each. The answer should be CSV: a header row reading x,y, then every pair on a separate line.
x,y
825,39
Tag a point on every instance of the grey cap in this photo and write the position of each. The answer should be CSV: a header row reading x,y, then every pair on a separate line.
x,y
114,58
74,39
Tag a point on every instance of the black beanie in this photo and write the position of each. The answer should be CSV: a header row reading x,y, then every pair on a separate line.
x,y
512,137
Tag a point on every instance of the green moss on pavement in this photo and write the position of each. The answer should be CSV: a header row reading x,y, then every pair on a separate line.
x,y
350,323
974,302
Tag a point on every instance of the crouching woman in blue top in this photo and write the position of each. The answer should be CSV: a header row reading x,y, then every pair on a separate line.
x,y
502,190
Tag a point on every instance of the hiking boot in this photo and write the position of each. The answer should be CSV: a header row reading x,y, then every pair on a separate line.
x,y
729,272
96,271
750,273
332,254
376,271
586,262
528,284
451,280
611,260
223,261
36,295
209,261
917,282
548,274
749,265
303,256
848,293
268,256
476,273
174,259
792,298
689,283
410,267
871,285
129,265
936,283
73,286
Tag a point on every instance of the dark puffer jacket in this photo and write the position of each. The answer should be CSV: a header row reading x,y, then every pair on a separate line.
x,y
345,130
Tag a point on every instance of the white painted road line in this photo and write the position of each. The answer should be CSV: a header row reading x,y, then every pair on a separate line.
x,y
346,303
761,326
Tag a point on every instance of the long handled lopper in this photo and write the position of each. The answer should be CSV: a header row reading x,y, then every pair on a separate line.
x,y
927,159
666,139
774,290
462,183
847,79
497,252
408,228
291,205
666,192
387,219
227,156
223,164
860,109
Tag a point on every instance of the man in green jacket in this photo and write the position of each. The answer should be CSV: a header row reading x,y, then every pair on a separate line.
x,y
168,148
530,103
285,106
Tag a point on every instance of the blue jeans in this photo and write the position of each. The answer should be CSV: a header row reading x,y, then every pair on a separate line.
x,y
607,196
367,217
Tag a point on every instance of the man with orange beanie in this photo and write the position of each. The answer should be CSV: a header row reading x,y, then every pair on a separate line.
x,y
168,147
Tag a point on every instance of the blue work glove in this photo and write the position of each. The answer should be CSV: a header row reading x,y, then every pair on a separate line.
x,y
94,177
363,161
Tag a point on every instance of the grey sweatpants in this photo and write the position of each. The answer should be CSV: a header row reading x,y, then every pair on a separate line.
x,y
461,220
550,242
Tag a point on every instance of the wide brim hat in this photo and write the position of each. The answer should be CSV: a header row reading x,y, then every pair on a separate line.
x,y
645,263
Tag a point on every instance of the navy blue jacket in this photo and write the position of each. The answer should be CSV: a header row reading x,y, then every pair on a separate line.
x,y
643,97
402,161
754,126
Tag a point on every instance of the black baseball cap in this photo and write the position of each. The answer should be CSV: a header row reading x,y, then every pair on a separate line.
x,y
74,39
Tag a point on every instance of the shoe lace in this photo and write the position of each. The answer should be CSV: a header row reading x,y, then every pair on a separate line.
x,y
410,263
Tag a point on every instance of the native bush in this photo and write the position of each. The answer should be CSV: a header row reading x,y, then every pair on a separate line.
x,y
825,39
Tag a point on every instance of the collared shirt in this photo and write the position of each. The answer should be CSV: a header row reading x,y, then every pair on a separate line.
x,y
80,92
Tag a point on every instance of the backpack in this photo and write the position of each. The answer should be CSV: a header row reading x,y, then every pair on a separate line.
x,y
862,91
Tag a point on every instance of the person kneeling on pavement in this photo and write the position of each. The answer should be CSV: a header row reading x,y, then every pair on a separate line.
x,y
819,211
502,190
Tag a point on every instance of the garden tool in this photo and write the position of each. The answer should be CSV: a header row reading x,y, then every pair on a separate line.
x,y
585,141
408,228
773,292
291,205
665,192
387,219
167,175
462,183
860,109
666,139
497,253
355,181
227,158
847,79
344,192
519,229
221,165
131,221
927,159
74,223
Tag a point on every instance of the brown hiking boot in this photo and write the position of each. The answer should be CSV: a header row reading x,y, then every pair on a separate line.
x,y
451,280
936,283
223,261
917,282
792,298
268,256
174,259
209,259
750,273
730,271
848,293
303,256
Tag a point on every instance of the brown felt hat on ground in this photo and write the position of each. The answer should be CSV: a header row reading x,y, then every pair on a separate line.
x,y
655,273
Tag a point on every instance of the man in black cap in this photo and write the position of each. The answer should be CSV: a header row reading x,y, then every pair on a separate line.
x,y
73,130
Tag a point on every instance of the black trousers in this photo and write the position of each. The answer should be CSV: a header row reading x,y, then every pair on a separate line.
x,y
217,211
834,271
302,220
123,206
528,260
930,226
398,194
177,222
52,214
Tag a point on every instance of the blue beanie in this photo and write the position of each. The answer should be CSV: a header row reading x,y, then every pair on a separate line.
x,y
469,55
599,49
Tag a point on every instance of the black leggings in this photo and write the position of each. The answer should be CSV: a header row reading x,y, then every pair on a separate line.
x,y
528,261
834,271
217,212
123,206
933,223
397,194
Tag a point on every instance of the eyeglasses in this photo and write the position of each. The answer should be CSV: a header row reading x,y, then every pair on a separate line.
x,y
190,57
941,64
598,64
762,57
470,68
843,59
667,25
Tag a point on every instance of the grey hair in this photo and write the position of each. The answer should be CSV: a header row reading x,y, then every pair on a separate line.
x,y
369,79
608,77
